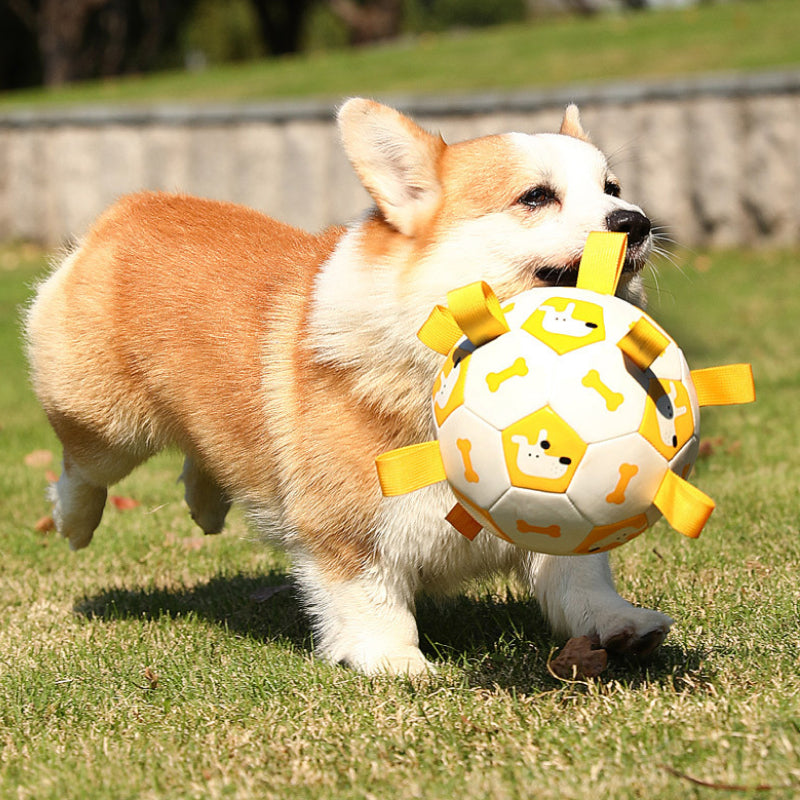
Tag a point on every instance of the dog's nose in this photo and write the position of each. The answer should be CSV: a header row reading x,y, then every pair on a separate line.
x,y
636,225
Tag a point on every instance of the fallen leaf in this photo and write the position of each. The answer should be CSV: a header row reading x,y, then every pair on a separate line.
x,y
580,659
151,678
45,524
38,458
123,503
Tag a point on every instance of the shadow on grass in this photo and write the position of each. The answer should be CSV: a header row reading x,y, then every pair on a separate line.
x,y
264,607
495,641
507,643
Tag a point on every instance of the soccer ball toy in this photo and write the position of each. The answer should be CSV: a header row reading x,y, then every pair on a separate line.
x,y
567,420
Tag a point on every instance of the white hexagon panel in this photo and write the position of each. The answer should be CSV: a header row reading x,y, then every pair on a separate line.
x,y
540,521
617,479
595,392
472,453
509,378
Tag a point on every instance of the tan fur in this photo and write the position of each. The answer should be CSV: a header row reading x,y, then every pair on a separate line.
x,y
281,363
139,358
571,124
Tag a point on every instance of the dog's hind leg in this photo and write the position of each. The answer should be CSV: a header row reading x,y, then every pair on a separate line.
x,y
77,505
80,493
93,461
208,503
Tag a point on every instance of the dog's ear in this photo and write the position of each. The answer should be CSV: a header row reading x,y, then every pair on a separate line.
x,y
395,159
571,124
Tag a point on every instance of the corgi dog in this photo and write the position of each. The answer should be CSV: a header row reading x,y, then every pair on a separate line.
x,y
282,362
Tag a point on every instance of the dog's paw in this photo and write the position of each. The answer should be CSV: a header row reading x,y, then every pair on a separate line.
x,y
402,661
634,631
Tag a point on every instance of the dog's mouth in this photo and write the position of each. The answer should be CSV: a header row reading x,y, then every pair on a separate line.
x,y
567,274
557,276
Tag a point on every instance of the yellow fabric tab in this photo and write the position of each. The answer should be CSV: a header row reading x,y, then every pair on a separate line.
x,y
602,261
463,522
477,312
726,385
410,468
643,343
684,506
440,331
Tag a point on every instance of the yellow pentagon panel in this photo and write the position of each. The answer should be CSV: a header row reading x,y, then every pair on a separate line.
x,y
594,392
509,378
668,419
607,537
472,454
540,521
448,388
566,323
617,479
542,451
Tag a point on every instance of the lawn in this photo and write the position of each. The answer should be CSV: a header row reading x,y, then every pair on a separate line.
x,y
158,663
729,36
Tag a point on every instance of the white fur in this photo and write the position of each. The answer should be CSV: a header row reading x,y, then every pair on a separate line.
x,y
369,622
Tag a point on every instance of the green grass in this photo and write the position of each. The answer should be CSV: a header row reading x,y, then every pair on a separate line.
x,y
659,44
239,708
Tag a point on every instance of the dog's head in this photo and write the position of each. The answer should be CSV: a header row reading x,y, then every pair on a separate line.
x,y
514,210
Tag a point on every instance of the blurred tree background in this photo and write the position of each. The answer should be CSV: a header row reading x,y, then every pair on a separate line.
x,y
55,42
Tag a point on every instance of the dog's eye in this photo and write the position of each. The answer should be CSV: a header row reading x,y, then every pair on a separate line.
x,y
612,188
537,197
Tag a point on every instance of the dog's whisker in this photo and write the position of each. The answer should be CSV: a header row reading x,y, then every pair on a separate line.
x,y
653,273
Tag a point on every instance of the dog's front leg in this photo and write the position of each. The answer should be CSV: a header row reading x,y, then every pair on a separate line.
x,y
366,622
578,598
